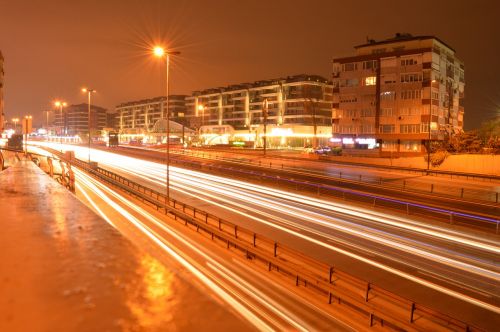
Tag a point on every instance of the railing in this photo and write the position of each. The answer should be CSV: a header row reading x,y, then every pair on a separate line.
x,y
454,216
379,307
405,185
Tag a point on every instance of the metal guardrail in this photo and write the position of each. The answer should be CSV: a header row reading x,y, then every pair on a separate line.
x,y
405,185
450,216
379,307
399,168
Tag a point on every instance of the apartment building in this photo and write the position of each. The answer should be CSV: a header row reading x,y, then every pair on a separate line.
x,y
397,95
141,115
298,112
2,114
74,119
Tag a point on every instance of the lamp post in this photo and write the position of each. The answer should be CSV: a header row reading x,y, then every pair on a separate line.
x,y
202,109
160,53
429,129
15,120
265,106
26,130
60,104
89,92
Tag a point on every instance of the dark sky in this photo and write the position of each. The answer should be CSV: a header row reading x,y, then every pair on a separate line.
x,y
53,48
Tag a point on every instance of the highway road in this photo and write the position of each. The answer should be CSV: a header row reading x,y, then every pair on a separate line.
x,y
349,181
474,189
257,300
441,266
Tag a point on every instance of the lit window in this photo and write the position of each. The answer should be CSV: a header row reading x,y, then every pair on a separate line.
x,y
370,80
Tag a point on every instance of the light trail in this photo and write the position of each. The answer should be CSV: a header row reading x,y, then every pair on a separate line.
x,y
250,290
226,193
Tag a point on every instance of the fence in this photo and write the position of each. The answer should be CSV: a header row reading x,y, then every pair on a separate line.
x,y
379,307
454,216
404,185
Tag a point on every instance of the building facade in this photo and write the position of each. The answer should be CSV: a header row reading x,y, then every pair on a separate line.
x,y
2,114
142,115
74,119
397,95
298,112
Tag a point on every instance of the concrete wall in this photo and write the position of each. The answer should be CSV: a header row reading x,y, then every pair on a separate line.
x,y
469,163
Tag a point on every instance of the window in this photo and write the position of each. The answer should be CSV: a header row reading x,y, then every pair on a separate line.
x,y
409,78
367,128
349,113
409,128
346,129
424,127
348,99
435,95
349,66
386,128
366,113
408,62
411,94
388,79
386,112
410,146
370,80
409,111
372,64
388,95
353,82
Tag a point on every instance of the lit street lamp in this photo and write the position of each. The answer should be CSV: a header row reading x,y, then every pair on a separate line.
x,y
160,53
201,108
89,92
15,120
59,104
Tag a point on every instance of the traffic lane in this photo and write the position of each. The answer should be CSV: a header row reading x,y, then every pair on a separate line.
x,y
434,248
365,274
387,281
451,187
279,305
422,197
336,185
476,272
355,170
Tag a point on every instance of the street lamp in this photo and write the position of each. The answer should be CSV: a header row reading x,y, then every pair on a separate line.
x,y
89,92
160,53
429,129
265,106
201,108
15,120
60,104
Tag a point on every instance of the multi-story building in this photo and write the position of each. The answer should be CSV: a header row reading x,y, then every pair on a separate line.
x,y
74,119
2,115
142,115
397,95
298,111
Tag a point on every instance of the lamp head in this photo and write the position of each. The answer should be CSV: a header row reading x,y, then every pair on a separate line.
x,y
159,51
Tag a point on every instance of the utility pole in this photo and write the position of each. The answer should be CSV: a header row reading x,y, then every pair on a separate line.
x,y
265,106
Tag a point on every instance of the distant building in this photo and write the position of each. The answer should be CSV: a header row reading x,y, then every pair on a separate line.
x,y
397,95
143,114
2,114
112,120
74,119
297,107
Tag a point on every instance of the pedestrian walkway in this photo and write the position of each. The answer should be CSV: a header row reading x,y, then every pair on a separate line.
x,y
63,268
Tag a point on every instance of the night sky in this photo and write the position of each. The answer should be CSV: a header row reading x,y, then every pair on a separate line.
x,y
54,48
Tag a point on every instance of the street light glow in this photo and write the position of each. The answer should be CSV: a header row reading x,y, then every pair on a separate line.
x,y
159,51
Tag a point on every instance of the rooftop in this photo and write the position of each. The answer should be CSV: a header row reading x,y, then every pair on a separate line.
x,y
263,83
399,37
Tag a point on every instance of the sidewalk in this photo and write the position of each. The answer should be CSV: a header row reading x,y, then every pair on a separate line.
x,y
63,268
